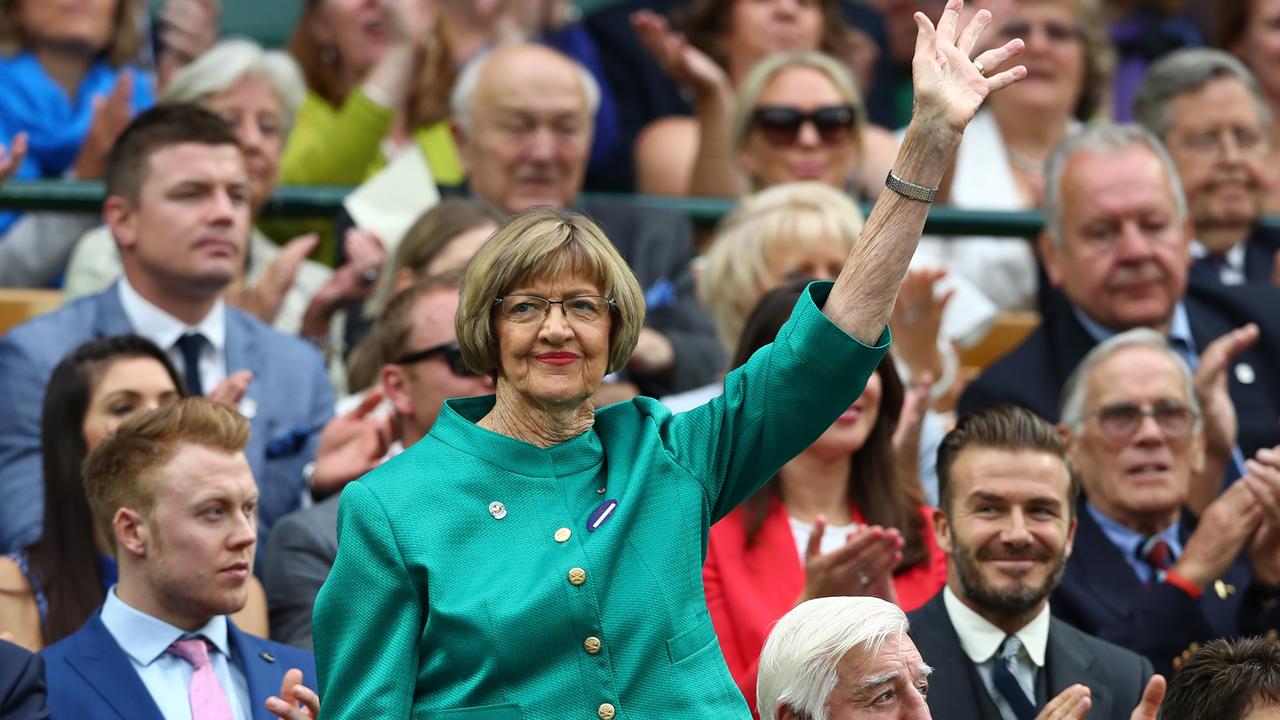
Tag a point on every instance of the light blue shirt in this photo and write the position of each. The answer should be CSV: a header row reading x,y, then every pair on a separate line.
x,y
1128,542
146,639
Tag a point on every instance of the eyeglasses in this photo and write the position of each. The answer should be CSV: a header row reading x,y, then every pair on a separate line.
x,y
780,124
1121,420
524,309
1210,143
1058,33
452,355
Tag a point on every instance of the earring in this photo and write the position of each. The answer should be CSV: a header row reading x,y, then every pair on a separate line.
x,y
329,55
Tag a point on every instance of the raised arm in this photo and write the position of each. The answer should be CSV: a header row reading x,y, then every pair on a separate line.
x,y
949,88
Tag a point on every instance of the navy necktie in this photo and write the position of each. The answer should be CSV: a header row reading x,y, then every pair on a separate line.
x,y
1006,684
190,346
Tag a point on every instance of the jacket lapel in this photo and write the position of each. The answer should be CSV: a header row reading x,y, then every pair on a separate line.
x,y
98,659
111,319
261,669
1067,662
955,689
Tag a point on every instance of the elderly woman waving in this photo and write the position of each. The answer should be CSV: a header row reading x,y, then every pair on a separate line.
x,y
535,558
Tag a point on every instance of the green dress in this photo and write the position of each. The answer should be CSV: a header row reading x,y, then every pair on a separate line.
x,y
468,583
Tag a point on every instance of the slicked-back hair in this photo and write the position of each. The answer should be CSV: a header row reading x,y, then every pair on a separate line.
x,y
544,243
162,126
123,470
1002,427
1225,681
389,337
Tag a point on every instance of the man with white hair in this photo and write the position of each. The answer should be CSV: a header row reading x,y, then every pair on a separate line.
x,y
522,119
1144,573
1207,108
842,658
1116,244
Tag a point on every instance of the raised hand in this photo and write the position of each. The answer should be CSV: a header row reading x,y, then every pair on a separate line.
x,y
1224,529
685,63
188,28
410,22
917,319
11,159
264,299
355,280
1070,704
295,701
231,390
351,445
1149,706
1262,478
862,566
110,116
949,86
906,436
1220,423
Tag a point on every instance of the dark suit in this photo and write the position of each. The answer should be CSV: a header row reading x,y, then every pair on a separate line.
x,y
22,689
290,392
1101,594
658,245
1034,373
299,555
1260,250
1115,677
91,677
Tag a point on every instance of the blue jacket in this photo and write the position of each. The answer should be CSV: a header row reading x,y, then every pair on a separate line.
x,y
22,690
89,675
290,391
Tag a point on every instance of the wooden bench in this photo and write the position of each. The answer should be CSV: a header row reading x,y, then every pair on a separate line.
x,y
18,305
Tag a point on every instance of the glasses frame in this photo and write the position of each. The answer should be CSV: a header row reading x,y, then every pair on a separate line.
x,y
453,358
1144,412
788,120
546,311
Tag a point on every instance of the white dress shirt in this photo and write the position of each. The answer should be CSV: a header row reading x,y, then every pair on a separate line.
x,y
164,330
981,643
145,640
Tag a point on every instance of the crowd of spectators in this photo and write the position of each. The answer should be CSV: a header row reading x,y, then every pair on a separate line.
x,y
245,437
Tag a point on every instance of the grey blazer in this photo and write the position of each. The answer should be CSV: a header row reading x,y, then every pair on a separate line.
x,y
1116,677
300,552
288,403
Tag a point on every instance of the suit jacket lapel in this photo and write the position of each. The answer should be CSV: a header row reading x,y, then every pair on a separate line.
x,y
1106,571
104,666
1067,663
955,688
111,318
261,669
1072,342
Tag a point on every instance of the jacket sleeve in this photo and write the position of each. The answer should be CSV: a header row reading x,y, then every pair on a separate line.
x,y
674,311
25,698
22,386
774,406
297,563
368,617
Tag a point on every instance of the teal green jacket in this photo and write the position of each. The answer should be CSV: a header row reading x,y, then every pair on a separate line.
x,y
444,604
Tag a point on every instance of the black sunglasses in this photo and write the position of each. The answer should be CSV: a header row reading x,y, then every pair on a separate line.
x,y
452,354
781,124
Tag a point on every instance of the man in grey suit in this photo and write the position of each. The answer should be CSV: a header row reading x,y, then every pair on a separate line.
x,y
1007,522
523,122
421,368
178,205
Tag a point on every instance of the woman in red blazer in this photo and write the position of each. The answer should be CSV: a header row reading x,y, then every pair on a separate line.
x,y
836,520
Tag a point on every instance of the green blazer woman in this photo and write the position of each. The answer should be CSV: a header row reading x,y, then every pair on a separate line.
x,y
532,558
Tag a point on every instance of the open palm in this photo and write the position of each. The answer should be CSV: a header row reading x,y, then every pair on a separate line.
x,y
948,85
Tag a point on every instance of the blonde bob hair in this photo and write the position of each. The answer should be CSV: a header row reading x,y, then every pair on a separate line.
x,y
766,70
538,244
736,271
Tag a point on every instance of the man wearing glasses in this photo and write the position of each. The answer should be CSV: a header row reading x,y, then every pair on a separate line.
x,y
421,369
1116,248
1144,573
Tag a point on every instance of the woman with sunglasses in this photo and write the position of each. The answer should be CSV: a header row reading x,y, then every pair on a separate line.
x,y
1000,165
725,40
534,557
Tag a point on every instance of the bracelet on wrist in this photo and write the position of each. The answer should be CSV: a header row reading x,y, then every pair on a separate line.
x,y
910,190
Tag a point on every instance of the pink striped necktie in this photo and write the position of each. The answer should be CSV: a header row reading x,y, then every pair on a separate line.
x,y
208,698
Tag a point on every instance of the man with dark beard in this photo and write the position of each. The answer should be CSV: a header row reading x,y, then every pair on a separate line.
x,y
1007,521
1145,573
